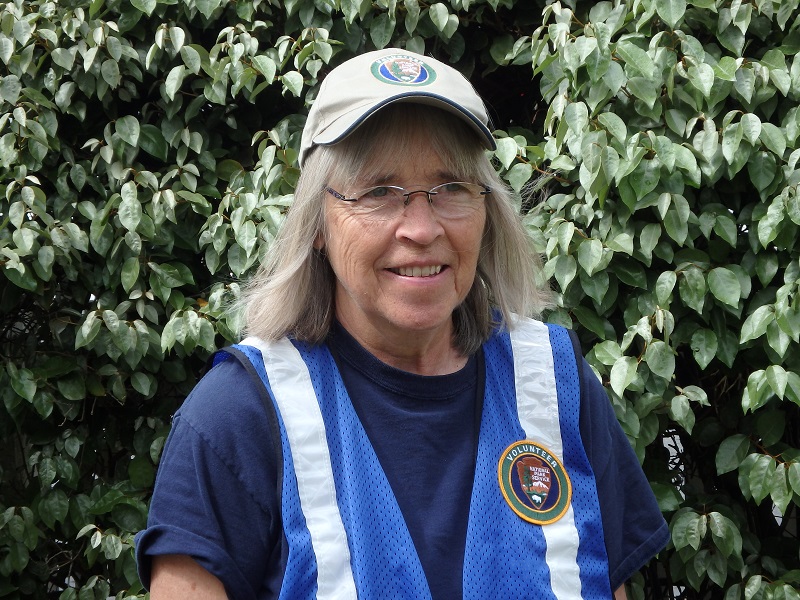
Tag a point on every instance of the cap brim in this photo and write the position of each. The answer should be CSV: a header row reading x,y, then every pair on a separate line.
x,y
352,120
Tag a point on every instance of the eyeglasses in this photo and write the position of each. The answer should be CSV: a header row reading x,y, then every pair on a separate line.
x,y
453,200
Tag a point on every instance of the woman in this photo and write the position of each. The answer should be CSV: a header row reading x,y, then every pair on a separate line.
x,y
391,428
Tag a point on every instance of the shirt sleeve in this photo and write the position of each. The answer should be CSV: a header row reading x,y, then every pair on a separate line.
x,y
634,527
215,497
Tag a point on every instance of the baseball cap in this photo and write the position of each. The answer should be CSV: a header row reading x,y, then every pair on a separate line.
x,y
361,86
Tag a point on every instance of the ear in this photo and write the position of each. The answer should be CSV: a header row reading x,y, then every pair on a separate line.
x,y
319,241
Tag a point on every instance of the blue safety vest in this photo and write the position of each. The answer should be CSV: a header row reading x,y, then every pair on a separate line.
x,y
534,527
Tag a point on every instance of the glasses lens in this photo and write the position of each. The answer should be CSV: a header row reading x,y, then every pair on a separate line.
x,y
379,202
457,198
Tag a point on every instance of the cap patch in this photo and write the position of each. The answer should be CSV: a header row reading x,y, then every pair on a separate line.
x,y
402,69
534,482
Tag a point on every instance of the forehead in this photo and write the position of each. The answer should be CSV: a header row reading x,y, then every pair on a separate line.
x,y
411,156
405,136
421,165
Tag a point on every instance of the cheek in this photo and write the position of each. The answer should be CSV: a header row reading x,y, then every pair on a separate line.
x,y
470,237
351,250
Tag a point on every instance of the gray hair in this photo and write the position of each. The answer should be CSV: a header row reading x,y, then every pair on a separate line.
x,y
292,292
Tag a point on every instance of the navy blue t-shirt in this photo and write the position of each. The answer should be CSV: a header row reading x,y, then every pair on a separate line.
x,y
216,494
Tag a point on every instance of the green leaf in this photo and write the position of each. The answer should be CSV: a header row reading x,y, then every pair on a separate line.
x,y
671,11
636,58
680,411
130,273
615,126
111,546
53,507
752,587
438,13
762,167
10,88
732,452
780,491
146,6
130,209
110,72
702,77
382,29
207,7
22,382
72,388
506,151
778,378
692,288
731,140
689,529
266,66
519,175
794,476
668,498
6,49
227,168
47,471
590,255
725,286
622,374
128,129
107,502
756,324
88,330
643,89
660,359
704,347
64,57
152,141
143,383
191,59
773,138
665,284
751,127
576,114
174,80
725,534
590,320
760,477
725,69
293,81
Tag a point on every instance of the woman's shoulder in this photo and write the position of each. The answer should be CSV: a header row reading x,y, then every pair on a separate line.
x,y
226,399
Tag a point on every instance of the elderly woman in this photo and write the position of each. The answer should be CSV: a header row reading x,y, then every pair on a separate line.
x,y
393,426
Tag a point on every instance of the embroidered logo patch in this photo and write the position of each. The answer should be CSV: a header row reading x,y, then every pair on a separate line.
x,y
402,69
534,482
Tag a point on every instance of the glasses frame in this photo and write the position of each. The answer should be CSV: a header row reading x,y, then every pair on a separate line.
x,y
407,194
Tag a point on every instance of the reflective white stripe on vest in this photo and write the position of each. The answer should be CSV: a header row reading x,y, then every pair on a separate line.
x,y
292,389
537,406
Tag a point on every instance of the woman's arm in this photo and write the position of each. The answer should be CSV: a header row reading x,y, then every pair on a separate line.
x,y
176,577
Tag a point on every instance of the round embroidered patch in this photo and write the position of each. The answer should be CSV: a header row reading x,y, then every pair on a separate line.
x,y
534,482
402,69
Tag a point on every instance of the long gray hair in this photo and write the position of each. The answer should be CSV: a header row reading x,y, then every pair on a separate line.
x,y
292,293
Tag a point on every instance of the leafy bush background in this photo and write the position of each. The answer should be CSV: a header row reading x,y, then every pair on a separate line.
x,y
148,150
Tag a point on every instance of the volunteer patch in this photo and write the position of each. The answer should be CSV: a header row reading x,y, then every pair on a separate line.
x,y
402,69
534,482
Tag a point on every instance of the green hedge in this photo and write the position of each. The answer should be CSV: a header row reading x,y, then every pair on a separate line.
x,y
147,154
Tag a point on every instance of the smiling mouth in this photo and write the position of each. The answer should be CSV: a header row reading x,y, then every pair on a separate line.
x,y
418,271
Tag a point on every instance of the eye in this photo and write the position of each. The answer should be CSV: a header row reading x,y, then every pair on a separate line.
x,y
376,192
453,187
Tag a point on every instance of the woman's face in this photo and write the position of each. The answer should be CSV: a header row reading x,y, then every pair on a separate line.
x,y
406,275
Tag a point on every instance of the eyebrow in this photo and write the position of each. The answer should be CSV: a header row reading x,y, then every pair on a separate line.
x,y
391,178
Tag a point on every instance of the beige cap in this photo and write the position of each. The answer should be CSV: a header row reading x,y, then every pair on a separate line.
x,y
363,85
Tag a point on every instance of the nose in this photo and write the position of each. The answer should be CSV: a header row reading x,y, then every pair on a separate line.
x,y
428,196
419,222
